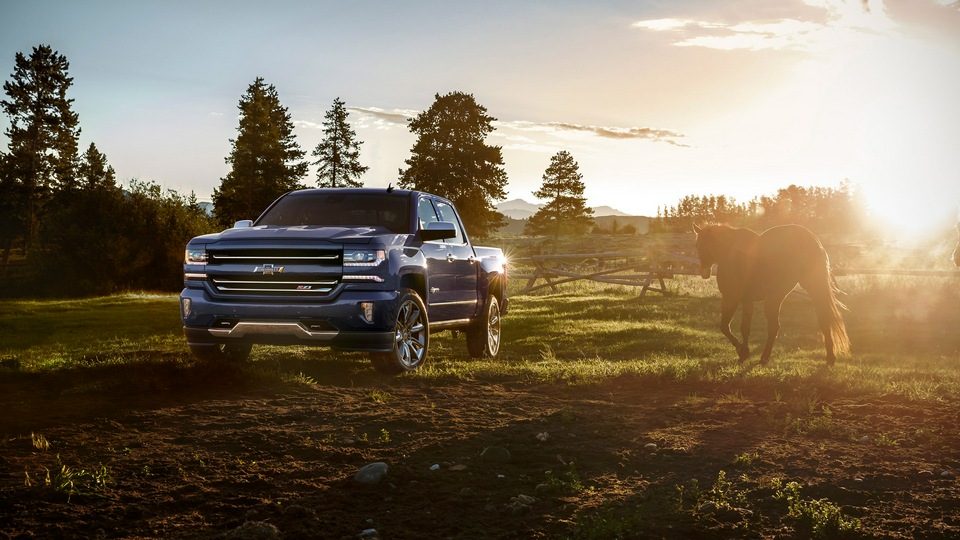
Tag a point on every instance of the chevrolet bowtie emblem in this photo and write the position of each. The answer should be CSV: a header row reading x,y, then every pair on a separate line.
x,y
268,269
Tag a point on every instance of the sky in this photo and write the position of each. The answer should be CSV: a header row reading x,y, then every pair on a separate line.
x,y
655,100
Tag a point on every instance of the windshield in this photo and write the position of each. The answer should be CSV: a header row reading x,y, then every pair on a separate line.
x,y
340,209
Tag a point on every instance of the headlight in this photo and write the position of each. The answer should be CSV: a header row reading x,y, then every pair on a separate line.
x,y
363,257
195,256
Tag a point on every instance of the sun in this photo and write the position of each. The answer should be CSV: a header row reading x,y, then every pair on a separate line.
x,y
908,214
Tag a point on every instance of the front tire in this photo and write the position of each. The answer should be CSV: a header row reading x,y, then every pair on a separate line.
x,y
483,336
222,352
411,337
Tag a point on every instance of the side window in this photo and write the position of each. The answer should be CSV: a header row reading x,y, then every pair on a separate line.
x,y
448,214
426,213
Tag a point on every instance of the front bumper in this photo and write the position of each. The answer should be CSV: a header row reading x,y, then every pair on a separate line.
x,y
338,323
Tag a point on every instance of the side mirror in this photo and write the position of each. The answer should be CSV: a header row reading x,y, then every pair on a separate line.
x,y
243,224
438,230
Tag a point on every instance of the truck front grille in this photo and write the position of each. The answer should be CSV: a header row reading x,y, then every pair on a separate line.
x,y
276,285
274,272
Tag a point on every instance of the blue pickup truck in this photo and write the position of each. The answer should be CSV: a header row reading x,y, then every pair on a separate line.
x,y
375,270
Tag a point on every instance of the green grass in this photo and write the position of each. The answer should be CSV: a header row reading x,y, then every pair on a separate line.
x,y
903,330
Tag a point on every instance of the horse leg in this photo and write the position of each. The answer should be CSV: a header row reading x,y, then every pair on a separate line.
x,y
745,321
771,310
728,306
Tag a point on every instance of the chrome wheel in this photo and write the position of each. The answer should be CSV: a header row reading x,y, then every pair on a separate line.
x,y
411,337
483,337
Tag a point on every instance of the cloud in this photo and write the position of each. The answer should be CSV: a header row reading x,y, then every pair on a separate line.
x,y
306,124
383,116
837,23
657,135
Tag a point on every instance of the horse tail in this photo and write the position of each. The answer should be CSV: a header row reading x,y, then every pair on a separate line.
x,y
822,288
838,330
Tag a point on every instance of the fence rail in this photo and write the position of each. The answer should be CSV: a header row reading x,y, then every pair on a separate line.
x,y
648,270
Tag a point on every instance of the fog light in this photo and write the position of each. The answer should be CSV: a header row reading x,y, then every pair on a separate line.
x,y
367,309
185,307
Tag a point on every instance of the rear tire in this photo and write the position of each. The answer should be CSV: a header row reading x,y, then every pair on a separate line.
x,y
411,337
483,336
222,352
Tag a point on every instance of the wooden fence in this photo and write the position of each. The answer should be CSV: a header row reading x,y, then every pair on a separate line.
x,y
647,269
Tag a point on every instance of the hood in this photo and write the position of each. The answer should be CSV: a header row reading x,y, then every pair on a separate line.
x,y
264,233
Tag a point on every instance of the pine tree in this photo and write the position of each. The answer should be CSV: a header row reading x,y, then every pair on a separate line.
x,y
566,211
43,134
339,152
94,173
451,159
266,159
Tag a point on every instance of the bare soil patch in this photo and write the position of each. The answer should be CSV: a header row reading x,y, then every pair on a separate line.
x,y
213,453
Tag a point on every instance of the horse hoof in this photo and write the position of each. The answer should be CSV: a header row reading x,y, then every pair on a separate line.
x,y
831,361
764,361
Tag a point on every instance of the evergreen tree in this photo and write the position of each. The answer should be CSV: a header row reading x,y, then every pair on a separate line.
x,y
266,159
451,159
94,173
43,135
339,152
566,211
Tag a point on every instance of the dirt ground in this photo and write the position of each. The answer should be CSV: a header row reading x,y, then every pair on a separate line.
x,y
215,453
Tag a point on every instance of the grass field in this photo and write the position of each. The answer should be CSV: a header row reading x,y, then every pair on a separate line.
x,y
903,330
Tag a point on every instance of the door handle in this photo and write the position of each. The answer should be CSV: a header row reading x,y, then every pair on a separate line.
x,y
451,257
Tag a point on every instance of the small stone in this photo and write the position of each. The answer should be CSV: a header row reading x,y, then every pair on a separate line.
x,y
458,467
525,499
650,446
543,489
372,474
369,533
948,475
542,437
708,507
435,467
864,439
255,529
495,454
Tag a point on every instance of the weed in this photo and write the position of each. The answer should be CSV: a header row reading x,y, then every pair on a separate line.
x,y
723,494
690,493
380,396
70,482
821,426
39,442
565,483
745,459
384,436
884,440
300,378
818,518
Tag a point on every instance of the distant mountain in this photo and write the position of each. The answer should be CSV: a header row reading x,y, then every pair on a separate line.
x,y
521,209
518,209
600,211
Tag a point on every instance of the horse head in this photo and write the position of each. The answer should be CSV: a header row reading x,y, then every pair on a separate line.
x,y
708,248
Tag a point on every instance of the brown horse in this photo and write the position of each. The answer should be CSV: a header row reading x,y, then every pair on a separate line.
x,y
765,267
